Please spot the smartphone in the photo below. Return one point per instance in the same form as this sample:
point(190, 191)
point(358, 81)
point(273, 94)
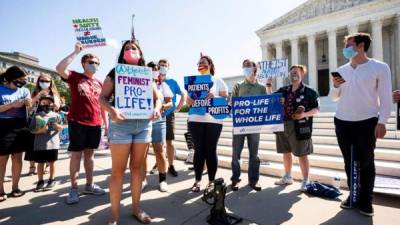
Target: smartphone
point(336, 74)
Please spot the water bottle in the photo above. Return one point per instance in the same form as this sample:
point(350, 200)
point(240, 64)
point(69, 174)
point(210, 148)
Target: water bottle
point(336, 181)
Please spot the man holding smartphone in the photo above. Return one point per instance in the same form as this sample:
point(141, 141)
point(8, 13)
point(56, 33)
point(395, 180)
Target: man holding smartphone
point(363, 92)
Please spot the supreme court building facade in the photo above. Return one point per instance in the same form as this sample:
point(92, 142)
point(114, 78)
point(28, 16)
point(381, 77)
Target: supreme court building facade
point(312, 34)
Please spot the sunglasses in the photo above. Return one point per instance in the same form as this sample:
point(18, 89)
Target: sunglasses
point(44, 81)
point(93, 62)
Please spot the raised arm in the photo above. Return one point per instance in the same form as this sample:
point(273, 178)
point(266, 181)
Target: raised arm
point(62, 67)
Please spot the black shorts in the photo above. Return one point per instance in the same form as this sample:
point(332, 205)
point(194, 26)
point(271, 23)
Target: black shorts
point(170, 127)
point(83, 137)
point(14, 136)
point(44, 156)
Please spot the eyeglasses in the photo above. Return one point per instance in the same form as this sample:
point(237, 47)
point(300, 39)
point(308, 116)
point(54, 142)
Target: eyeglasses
point(93, 62)
point(44, 81)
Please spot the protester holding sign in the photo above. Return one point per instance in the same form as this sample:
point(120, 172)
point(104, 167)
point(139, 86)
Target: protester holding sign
point(158, 134)
point(248, 87)
point(164, 65)
point(84, 119)
point(301, 103)
point(14, 101)
point(45, 85)
point(129, 138)
point(205, 129)
point(363, 92)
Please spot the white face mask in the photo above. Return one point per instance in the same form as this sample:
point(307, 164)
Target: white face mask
point(44, 85)
point(92, 68)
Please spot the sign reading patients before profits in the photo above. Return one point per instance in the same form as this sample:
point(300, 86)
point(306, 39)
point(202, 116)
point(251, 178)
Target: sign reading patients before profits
point(134, 91)
point(88, 32)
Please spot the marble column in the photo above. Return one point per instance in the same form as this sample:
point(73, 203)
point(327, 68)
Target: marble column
point(294, 45)
point(312, 62)
point(352, 28)
point(332, 48)
point(279, 55)
point(377, 44)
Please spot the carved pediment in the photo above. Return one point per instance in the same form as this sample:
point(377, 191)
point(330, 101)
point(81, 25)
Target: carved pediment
point(314, 8)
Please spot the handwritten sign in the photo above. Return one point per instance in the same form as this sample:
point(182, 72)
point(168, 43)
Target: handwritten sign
point(272, 68)
point(134, 91)
point(88, 32)
point(254, 114)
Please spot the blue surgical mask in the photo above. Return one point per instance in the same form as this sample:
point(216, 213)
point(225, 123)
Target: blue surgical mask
point(163, 70)
point(247, 71)
point(349, 52)
point(92, 68)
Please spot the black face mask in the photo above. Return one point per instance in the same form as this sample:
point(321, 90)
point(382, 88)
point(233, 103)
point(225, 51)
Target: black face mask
point(18, 83)
point(45, 108)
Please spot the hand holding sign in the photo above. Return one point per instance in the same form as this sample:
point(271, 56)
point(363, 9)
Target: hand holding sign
point(78, 47)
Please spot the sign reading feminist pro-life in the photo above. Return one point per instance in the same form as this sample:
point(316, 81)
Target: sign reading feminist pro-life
point(88, 32)
point(134, 91)
point(272, 68)
point(255, 114)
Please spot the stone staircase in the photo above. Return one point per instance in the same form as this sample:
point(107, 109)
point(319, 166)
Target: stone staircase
point(326, 162)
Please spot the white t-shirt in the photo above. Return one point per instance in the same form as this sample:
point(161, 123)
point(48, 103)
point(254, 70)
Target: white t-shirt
point(219, 85)
point(164, 91)
point(366, 93)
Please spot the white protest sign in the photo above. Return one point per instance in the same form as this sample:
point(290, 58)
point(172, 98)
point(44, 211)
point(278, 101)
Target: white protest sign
point(134, 91)
point(272, 68)
point(88, 32)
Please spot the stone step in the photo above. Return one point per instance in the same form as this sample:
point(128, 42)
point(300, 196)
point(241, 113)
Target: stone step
point(387, 168)
point(275, 169)
point(327, 140)
point(390, 134)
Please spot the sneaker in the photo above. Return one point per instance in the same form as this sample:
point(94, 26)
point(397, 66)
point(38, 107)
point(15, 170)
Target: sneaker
point(93, 189)
point(285, 180)
point(366, 210)
point(255, 187)
point(39, 186)
point(50, 184)
point(346, 204)
point(73, 196)
point(154, 169)
point(304, 184)
point(172, 171)
point(163, 186)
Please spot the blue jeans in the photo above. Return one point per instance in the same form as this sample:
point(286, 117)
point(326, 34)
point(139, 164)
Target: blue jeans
point(254, 162)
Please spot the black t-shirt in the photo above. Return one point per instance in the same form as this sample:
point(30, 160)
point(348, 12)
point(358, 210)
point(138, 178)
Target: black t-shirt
point(304, 96)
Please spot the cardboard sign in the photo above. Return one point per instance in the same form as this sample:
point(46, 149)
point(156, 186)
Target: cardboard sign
point(253, 114)
point(273, 68)
point(88, 32)
point(134, 91)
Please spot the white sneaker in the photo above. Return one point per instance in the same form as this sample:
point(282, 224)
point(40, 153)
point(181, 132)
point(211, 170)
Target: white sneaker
point(304, 184)
point(93, 189)
point(285, 180)
point(163, 186)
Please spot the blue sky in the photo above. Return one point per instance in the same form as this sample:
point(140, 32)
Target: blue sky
point(175, 29)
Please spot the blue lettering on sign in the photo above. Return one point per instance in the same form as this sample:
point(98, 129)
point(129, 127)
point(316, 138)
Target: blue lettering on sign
point(218, 107)
point(257, 110)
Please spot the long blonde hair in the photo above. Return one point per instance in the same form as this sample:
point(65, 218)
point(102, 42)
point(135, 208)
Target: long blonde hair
point(52, 88)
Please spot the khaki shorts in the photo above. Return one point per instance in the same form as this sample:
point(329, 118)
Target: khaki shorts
point(286, 141)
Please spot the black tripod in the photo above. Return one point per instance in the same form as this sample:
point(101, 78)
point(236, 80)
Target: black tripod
point(218, 214)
